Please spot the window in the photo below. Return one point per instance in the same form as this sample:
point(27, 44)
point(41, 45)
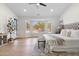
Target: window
point(38, 26)
point(34, 26)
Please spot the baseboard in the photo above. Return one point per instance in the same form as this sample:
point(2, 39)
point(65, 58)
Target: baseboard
point(20, 37)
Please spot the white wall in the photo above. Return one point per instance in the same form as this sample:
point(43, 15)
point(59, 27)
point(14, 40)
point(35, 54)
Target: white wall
point(71, 15)
point(21, 27)
point(5, 13)
point(22, 24)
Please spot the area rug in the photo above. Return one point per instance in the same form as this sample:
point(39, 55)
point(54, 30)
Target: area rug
point(38, 51)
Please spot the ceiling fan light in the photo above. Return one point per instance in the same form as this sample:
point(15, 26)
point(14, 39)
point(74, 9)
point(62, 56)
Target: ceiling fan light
point(51, 10)
point(37, 4)
point(25, 10)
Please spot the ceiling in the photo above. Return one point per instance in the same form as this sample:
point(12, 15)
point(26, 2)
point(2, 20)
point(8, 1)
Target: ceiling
point(33, 10)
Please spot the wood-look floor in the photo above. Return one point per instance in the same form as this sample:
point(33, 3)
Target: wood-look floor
point(26, 47)
point(20, 47)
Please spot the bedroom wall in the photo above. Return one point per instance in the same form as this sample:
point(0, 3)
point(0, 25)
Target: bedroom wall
point(21, 28)
point(71, 15)
point(5, 13)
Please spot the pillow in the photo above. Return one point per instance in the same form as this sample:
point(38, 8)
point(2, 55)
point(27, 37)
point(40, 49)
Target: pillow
point(68, 34)
point(75, 33)
point(63, 32)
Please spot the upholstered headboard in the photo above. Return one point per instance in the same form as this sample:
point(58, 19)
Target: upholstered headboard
point(72, 26)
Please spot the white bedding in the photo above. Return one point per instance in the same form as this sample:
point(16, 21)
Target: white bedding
point(52, 40)
point(70, 42)
point(49, 36)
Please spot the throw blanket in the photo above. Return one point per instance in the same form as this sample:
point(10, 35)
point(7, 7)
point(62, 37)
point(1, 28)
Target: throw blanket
point(51, 42)
point(56, 42)
point(60, 41)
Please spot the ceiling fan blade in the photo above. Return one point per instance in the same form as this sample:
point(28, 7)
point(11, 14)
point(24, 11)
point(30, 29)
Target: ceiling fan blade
point(42, 4)
point(32, 3)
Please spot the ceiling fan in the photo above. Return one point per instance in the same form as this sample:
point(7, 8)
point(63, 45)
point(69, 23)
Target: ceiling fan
point(42, 4)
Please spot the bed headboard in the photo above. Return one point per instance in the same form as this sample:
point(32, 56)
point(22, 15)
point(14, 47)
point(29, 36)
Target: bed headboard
point(72, 26)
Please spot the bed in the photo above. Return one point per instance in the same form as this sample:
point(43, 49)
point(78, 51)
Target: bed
point(62, 42)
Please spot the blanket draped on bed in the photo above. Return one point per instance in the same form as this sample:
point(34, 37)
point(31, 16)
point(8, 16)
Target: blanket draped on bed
point(56, 42)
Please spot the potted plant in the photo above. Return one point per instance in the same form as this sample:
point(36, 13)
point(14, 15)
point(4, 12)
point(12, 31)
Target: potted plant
point(10, 28)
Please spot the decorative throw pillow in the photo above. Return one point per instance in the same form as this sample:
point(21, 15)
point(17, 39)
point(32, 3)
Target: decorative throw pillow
point(75, 33)
point(63, 32)
point(68, 33)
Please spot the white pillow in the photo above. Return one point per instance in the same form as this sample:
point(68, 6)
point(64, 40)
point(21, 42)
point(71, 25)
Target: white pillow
point(63, 32)
point(75, 33)
point(66, 32)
